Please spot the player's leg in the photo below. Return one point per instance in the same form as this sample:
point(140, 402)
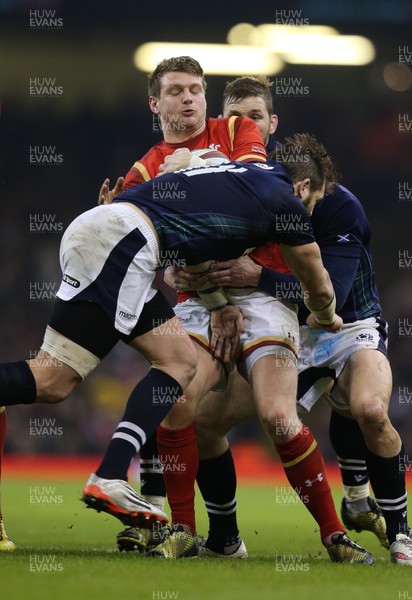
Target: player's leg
point(152, 485)
point(42, 379)
point(216, 414)
point(153, 490)
point(274, 382)
point(5, 542)
point(179, 456)
point(176, 433)
point(359, 510)
point(173, 363)
point(367, 382)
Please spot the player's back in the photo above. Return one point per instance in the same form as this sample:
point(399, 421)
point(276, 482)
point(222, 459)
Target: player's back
point(342, 230)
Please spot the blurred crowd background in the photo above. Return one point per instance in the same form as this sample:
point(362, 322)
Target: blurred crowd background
point(101, 123)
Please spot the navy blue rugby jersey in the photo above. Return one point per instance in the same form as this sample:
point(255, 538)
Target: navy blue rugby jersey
point(343, 233)
point(216, 213)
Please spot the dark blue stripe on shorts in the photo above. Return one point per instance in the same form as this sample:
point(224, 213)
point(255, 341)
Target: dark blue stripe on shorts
point(104, 290)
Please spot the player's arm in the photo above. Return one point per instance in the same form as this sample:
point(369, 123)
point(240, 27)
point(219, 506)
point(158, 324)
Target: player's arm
point(244, 272)
point(339, 228)
point(247, 144)
point(226, 322)
point(213, 297)
point(139, 173)
point(342, 271)
point(319, 296)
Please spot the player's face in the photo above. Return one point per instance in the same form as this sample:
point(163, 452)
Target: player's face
point(255, 108)
point(181, 106)
point(309, 198)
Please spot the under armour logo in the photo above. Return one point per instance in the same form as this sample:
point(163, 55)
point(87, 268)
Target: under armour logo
point(291, 337)
point(310, 482)
point(343, 238)
point(214, 146)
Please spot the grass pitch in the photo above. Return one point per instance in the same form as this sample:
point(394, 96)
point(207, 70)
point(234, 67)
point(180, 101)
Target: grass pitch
point(66, 551)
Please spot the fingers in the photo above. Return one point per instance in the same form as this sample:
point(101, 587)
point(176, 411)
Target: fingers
point(228, 350)
point(219, 277)
point(239, 323)
point(219, 266)
point(104, 190)
point(222, 348)
point(233, 349)
point(118, 188)
point(216, 344)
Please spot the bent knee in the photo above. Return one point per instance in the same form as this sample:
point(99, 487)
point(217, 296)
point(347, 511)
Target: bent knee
point(281, 424)
point(182, 366)
point(54, 384)
point(370, 412)
point(53, 394)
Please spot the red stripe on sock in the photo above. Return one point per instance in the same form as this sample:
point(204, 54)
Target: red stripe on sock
point(179, 456)
point(308, 477)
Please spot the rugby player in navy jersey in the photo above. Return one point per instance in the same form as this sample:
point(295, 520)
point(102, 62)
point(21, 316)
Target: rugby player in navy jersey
point(109, 256)
point(344, 234)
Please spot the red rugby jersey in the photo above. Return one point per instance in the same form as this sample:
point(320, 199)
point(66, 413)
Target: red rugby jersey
point(270, 256)
point(237, 137)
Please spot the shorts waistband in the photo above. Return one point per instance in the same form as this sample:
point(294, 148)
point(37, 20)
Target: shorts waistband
point(134, 217)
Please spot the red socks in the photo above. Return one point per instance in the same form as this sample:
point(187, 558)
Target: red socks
point(301, 458)
point(179, 456)
point(305, 470)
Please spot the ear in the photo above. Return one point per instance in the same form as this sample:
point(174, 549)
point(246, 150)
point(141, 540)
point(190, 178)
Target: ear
point(153, 104)
point(303, 188)
point(273, 124)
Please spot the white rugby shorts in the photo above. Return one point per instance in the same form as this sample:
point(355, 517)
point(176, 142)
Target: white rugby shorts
point(271, 327)
point(108, 255)
point(323, 356)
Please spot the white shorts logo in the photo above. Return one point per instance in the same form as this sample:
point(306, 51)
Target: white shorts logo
point(364, 337)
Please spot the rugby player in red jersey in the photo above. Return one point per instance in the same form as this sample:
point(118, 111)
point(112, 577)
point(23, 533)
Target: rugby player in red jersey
point(177, 96)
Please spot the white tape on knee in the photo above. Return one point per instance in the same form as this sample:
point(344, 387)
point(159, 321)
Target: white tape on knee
point(69, 353)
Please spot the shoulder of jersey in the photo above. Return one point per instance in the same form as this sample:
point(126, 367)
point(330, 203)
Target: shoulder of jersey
point(157, 149)
point(342, 196)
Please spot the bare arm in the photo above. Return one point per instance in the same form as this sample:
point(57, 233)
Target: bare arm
point(319, 296)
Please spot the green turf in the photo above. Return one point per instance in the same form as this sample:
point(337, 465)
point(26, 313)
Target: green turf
point(66, 551)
